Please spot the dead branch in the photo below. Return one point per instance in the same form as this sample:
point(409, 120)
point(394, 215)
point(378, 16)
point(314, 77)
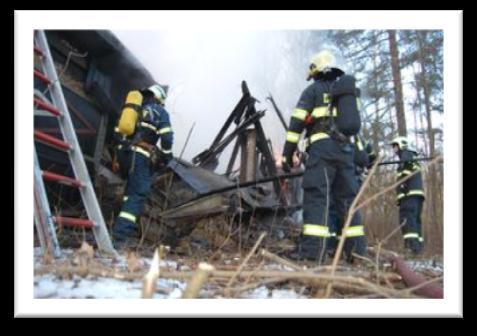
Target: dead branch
point(247, 280)
point(394, 185)
point(343, 280)
point(258, 284)
point(380, 246)
point(149, 284)
point(252, 251)
point(351, 212)
point(422, 285)
point(198, 279)
point(354, 208)
point(279, 260)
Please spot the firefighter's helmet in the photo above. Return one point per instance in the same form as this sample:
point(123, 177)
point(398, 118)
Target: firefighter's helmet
point(323, 62)
point(159, 92)
point(403, 143)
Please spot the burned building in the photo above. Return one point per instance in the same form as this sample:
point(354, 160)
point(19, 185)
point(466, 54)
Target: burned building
point(96, 71)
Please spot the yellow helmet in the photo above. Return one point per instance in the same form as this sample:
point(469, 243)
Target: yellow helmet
point(323, 61)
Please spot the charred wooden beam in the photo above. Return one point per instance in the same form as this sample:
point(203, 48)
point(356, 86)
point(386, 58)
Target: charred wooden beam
point(213, 204)
point(212, 153)
point(236, 115)
point(279, 113)
point(248, 160)
point(233, 157)
point(262, 145)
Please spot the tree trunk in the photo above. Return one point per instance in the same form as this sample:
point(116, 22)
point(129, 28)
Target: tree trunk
point(421, 37)
point(424, 83)
point(421, 120)
point(396, 71)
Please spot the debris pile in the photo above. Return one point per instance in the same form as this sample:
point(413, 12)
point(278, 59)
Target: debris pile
point(259, 274)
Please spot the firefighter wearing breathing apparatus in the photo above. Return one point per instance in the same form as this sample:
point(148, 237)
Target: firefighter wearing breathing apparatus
point(328, 111)
point(143, 122)
point(410, 195)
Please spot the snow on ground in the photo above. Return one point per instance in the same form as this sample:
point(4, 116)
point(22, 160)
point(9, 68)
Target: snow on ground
point(50, 286)
point(57, 287)
point(264, 293)
point(94, 287)
point(427, 264)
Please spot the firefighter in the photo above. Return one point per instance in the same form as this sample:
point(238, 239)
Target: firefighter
point(329, 170)
point(364, 158)
point(410, 195)
point(140, 155)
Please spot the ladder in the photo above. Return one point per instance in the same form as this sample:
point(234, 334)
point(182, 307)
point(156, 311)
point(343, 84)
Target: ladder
point(44, 220)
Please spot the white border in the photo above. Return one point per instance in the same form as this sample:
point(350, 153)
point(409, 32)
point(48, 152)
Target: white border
point(449, 21)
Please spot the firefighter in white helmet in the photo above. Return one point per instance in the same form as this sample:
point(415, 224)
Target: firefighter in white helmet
point(410, 194)
point(139, 157)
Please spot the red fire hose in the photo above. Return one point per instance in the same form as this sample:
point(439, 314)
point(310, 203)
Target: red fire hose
point(412, 279)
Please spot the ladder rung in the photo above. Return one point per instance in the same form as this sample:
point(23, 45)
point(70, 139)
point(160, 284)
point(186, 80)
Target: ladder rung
point(41, 76)
point(49, 176)
point(69, 221)
point(52, 141)
point(38, 51)
point(47, 107)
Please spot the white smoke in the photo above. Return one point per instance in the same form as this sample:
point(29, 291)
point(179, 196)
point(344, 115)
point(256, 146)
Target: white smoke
point(204, 71)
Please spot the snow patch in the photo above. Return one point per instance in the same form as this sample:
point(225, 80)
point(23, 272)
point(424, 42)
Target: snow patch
point(257, 293)
point(49, 286)
point(285, 294)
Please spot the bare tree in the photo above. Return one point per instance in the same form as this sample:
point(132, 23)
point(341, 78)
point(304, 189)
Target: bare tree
point(396, 70)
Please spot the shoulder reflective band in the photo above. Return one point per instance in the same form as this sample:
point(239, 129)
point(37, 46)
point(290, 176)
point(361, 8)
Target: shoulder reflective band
point(166, 151)
point(355, 231)
point(152, 127)
point(293, 137)
point(415, 192)
point(315, 230)
point(404, 173)
point(411, 235)
point(421, 239)
point(164, 130)
point(359, 143)
point(128, 216)
point(299, 114)
point(140, 150)
point(318, 136)
point(322, 111)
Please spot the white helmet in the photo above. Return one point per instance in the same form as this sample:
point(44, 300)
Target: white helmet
point(403, 143)
point(323, 62)
point(158, 92)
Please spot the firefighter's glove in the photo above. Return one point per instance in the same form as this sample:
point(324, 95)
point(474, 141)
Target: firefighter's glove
point(162, 159)
point(121, 140)
point(286, 164)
